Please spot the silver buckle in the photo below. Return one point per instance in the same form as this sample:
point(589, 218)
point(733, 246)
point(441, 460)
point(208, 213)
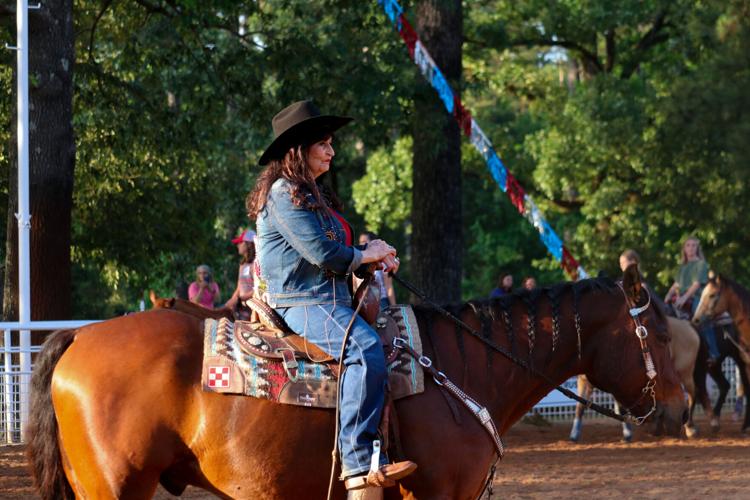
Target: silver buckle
point(641, 332)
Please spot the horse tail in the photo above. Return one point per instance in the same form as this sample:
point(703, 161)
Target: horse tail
point(43, 449)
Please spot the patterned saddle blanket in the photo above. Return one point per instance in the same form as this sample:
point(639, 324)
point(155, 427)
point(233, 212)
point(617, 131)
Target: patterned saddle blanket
point(250, 359)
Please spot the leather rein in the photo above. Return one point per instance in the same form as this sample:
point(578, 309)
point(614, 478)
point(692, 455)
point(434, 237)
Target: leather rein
point(640, 331)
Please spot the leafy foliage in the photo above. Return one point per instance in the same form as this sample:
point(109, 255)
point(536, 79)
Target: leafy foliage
point(382, 195)
point(625, 121)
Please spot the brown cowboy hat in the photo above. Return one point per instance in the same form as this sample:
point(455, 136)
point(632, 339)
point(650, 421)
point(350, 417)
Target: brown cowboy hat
point(296, 123)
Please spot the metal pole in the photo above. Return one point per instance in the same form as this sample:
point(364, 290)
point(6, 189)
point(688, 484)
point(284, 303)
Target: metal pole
point(8, 397)
point(23, 215)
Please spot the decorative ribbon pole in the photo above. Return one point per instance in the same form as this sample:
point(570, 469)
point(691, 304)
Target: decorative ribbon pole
point(507, 182)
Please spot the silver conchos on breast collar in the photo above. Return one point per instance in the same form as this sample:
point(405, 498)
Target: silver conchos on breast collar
point(642, 333)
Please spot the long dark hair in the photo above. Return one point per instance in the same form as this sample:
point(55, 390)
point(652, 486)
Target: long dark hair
point(249, 256)
point(305, 191)
point(292, 167)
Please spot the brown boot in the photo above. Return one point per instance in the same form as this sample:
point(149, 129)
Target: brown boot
point(385, 477)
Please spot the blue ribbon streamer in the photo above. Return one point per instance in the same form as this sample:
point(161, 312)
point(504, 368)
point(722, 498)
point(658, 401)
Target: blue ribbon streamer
point(478, 138)
point(440, 84)
point(498, 171)
point(392, 9)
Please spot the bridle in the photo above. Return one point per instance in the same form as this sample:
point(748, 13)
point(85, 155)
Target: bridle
point(640, 331)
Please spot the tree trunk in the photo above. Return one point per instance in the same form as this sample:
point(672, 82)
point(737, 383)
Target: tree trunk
point(436, 201)
point(51, 163)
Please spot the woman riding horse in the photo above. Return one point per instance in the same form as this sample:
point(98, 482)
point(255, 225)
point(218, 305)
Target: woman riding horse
point(305, 253)
point(686, 291)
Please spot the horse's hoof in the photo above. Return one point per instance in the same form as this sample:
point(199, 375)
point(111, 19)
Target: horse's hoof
point(627, 433)
point(691, 431)
point(715, 425)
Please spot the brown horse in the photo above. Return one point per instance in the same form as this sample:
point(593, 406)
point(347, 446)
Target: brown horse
point(188, 307)
point(723, 295)
point(117, 407)
point(683, 350)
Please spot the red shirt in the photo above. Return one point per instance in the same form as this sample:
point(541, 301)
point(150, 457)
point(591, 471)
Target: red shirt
point(346, 226)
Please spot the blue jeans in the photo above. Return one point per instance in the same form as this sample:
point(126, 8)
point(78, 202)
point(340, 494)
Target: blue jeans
point(706, 331)
point(363, 385)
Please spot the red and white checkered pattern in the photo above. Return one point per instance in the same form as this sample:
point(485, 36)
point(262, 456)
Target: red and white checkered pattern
point(218, 376)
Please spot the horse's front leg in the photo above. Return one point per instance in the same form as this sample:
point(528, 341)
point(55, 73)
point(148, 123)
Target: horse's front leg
point(721, 381)
point(585, 389)
point(744, 378)
point(690, 430)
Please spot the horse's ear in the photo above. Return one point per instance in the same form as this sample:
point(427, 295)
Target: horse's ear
point(631, 283)
point(170, 302)
point(714, 278)
point(152, 296)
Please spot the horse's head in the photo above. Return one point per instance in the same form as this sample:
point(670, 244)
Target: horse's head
point(632, 360)
point(160, 302)
point(712, 302)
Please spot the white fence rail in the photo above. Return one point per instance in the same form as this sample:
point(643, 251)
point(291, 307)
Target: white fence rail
point(556, 406)
point(15, 373)
point(15, 380)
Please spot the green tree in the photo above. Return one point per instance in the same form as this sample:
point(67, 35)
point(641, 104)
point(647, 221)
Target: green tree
point(173, 108)
point(626, 154)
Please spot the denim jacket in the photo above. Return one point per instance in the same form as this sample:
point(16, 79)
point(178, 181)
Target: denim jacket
point(302, 253)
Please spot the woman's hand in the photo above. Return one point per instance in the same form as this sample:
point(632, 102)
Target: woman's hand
point(381, 252)
point(377, 251)
point(390, 264)
point(681, 300)
point(672, 294)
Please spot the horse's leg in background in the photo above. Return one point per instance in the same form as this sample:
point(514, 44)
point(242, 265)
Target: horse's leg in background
point(745, 379)
point(627, 428)
point(689, 383)
point(739, 404)
point(721, 381)
point(585, 389)
point(699, 378)
point(685, 347)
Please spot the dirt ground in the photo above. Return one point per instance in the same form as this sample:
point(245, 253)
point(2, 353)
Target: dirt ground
point(542, 463)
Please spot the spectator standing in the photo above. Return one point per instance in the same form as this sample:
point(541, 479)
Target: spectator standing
point(245, 277)
point(204, 290)
point(529, 283)
point(504, 285)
